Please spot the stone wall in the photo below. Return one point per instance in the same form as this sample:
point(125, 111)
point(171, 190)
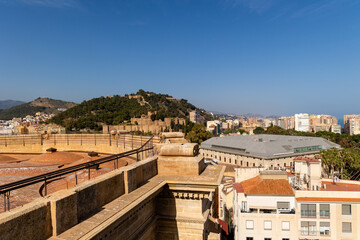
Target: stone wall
point(102, 143)
point(64, 209)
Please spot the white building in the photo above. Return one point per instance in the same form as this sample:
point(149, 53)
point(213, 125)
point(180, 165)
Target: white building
point(302, 122)
point(274, 205)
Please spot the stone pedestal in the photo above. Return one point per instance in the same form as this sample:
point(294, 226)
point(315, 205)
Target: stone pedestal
point(180, 166)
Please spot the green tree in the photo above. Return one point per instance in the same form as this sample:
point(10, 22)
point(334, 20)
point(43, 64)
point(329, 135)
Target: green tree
point(198, 134)
point(259, 130)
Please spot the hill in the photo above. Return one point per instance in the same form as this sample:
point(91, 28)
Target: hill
point(119, 109)
point(46, 105)
point(4, 104)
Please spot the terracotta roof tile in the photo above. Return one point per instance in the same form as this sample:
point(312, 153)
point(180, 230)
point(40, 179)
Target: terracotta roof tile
point(339, 186)
point(318, 199)
point(238, 187)
point(257, 186)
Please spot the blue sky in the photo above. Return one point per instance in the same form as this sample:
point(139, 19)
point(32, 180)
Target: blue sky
point(265, 56)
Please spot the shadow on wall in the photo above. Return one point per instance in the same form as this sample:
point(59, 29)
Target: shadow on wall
point(167, 228)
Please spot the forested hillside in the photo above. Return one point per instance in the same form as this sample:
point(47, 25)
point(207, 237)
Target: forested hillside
point(118, 109)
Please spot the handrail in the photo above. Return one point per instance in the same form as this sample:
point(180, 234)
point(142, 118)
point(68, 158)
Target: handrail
point(6, 188)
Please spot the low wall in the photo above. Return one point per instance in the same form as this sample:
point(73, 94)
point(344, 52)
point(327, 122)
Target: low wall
point(103, 143)
point(64, 209)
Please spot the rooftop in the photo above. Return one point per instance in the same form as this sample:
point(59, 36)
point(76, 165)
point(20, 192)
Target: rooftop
point(257, 186)
point(268, 146)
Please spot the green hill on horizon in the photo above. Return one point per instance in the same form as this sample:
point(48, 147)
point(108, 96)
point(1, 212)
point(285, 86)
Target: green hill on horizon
point(92, 114)
point(46, 105)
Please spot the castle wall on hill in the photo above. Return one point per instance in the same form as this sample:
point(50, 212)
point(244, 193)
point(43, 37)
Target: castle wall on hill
point(145, 124)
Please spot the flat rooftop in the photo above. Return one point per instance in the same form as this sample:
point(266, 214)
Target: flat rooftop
point(268, 146)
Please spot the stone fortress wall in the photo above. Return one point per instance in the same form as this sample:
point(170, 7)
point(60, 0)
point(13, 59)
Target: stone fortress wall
point(102, 143)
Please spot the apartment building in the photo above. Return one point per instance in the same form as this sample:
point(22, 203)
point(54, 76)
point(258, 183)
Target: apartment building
point(275, 205)
point(302, 122)
point(352, 124)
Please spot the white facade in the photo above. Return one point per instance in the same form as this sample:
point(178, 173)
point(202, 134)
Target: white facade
point(302, 122)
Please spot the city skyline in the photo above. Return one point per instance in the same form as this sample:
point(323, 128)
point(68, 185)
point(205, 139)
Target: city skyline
point(266, 57)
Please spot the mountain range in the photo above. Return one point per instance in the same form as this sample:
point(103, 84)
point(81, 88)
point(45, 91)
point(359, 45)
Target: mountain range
point(4, 104)
point(46, 105)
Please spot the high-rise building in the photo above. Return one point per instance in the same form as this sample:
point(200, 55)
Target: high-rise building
point(352, 124)
point(302, 122)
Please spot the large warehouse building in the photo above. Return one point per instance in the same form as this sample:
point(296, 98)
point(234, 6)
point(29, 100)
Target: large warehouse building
point(263, 149)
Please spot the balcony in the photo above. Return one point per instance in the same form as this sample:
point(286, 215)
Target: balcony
point(309, 232)
point(308, 213)
point(269, 211)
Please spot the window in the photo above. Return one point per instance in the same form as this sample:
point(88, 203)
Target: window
point(308, 228)
point(286, 239)
point(325, 210)
point(346, 209)
point(267, 238)
point(267, 225)
point(249, 224)
point(324, 228)
point(285, 226)
point(308, 210)
point(283, 205)
point(247, 164)
point(253, 164)
point(307, 149)
point(249, 238)
point(285, 164)
point(346, 227)
point(244, 206)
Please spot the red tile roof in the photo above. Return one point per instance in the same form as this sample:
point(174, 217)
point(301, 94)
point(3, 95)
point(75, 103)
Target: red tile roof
point(319, 199)
point(238, 187)
point(257, 186)
point(339, 186)
point(306, 159)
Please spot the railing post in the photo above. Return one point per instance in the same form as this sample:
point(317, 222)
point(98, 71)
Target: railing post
point(95, 138)
point(132, 141)
point(45, 187)
point(89, 173)
point(67, 138)
point(124, 142)
point(8, 200)
point(23, 140)
point(110, 139)
point(76, 181)
point(5, 144)
point(137, 155)
point(55, 139)
point(4, 202)
point(117, 140)
point(80, 139)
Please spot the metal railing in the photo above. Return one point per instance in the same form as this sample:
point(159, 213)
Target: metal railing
point(5, 189)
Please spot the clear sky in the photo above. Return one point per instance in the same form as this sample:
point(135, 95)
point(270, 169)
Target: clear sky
point(239, 56)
